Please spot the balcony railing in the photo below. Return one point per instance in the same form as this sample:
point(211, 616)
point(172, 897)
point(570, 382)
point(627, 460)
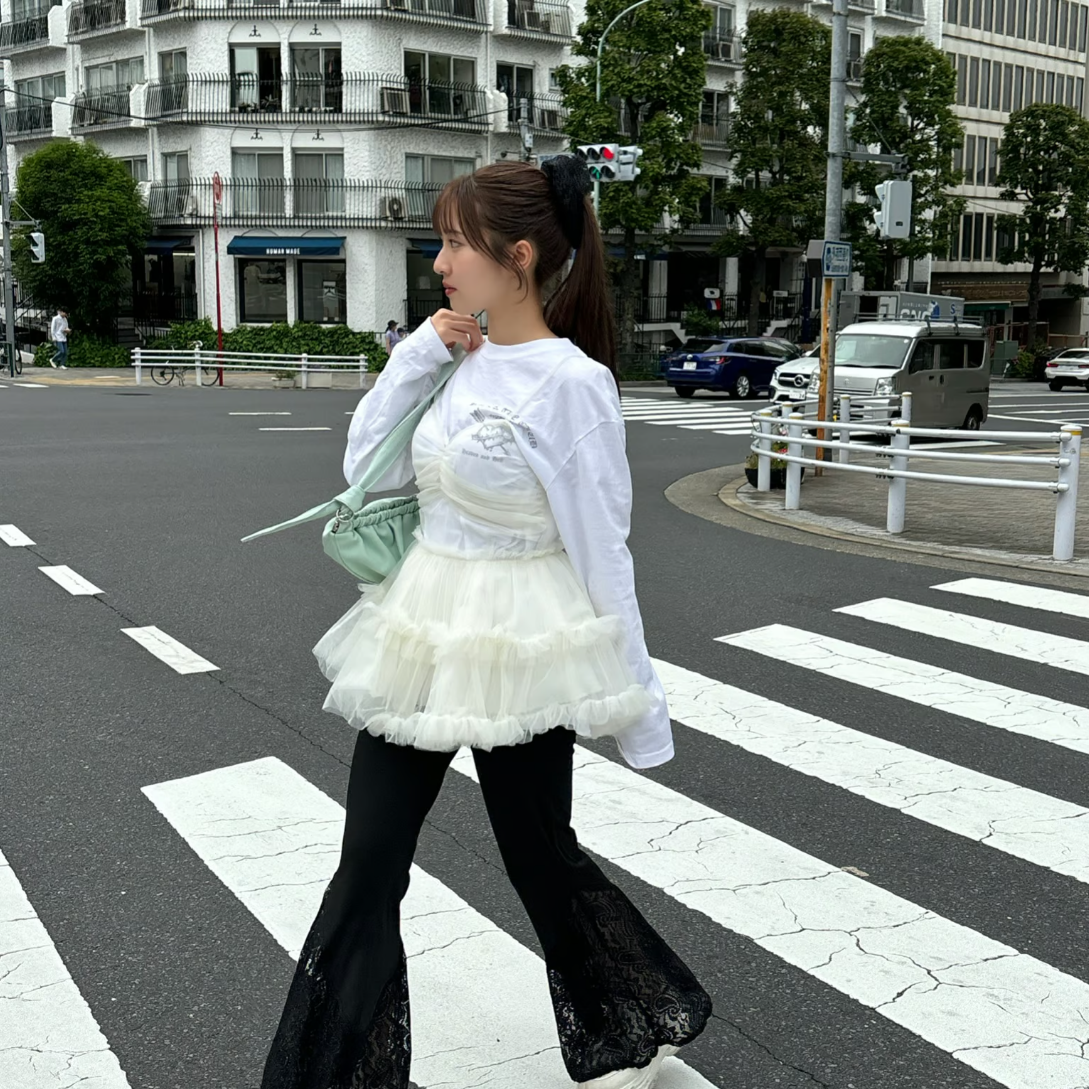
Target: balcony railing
point(539, 18)
point(28, 29)
point(911, 9)
point(373, 99)
point(712, 133)
point(546, 113)
point(88, 17)
point(435, 12)
point(722, 47)
point(868, 6)
point(34, 122)
point(282, 202)
point(104, 108)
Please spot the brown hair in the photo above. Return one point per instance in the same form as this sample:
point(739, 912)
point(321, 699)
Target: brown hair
point(501, 204)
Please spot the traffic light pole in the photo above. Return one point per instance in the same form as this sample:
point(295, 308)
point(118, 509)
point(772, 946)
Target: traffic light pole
point(5, 204)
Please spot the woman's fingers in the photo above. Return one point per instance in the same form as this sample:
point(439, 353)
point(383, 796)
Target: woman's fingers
point(454, 328)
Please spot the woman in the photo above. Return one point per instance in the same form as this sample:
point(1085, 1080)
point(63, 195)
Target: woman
point(392, 336)
point(510, 627)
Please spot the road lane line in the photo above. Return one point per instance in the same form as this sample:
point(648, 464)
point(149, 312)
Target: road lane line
point(167, 649)
point(1025, 823)
point(294, 429)
point(49, 1037)
point(14, 536)
point(1045, 648)
point(274, 840)
point(966, 993)
point(69, 580)
point(29, 385)
point(996, 705)
point(258, 413)
point(1020, 593)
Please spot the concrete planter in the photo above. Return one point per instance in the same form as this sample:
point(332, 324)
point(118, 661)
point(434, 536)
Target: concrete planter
point(315, 380)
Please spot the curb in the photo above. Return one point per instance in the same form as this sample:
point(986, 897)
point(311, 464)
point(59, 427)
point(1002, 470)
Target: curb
point(729, 495)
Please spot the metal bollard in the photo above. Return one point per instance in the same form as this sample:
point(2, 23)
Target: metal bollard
point(303, 383)
point(196, 363)
point(794, 470)
point(897, 484)
point(844, 427)
point(763, 459)
point(1066, 504)
point(905, 407)
point(138, 363)
point(362, 369)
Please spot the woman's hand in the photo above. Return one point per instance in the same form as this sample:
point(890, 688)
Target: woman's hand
point(455, 328)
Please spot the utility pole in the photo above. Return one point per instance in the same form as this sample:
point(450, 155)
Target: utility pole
point(833, 209)
point(5, 202)
point(523, 128)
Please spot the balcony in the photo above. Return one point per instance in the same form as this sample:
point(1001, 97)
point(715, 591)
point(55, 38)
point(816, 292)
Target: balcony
point(539, 19)
point(355, 99)
point(297, 203)
point(28, 29)
point(546, 112)
point(712, 133)
point(105, 108)
point(722, 47)
point(34, 122)
point(472, 14)
point(905, 9)
point(87, 18)
point(866, 6)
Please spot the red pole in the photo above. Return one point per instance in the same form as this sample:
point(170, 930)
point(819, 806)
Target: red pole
point(219, 303)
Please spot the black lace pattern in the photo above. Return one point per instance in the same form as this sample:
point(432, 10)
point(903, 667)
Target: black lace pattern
point(627, 994)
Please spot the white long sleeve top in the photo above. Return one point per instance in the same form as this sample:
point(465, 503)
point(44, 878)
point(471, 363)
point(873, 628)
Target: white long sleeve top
point(566, 414)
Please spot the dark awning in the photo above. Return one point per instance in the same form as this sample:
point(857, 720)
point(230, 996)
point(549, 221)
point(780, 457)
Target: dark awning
point(167, 245)
point(258, 246)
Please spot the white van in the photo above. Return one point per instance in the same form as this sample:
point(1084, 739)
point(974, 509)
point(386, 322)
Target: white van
point(943, 364)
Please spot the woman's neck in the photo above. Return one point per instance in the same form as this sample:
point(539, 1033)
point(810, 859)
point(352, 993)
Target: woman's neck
point(517, 325)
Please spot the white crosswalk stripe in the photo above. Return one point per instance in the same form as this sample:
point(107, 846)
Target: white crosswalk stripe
point(716, 417)
point(272, 840)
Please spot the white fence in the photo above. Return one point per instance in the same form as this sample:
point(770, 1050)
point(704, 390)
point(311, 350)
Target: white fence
point(201, 359)
point(768, 429)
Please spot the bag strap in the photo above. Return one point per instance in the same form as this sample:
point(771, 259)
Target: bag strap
point(392, 446)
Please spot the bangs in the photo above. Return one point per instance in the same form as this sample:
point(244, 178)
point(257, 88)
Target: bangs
point(457, 210)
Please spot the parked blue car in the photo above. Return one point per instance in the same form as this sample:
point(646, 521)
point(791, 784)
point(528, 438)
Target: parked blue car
point(741, 366)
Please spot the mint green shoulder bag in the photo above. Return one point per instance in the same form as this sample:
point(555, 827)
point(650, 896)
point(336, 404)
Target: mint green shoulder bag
point(368, 540)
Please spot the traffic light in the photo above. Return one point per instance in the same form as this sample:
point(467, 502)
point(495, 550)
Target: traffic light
point(893, 218)
point(37, 247)
point(628, 163)
point(601, 159)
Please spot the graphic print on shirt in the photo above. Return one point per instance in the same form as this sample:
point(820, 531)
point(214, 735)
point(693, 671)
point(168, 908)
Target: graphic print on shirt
point(485, 413)
point(493, 436)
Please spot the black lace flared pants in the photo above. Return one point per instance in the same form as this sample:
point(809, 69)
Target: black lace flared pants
point(617, 989)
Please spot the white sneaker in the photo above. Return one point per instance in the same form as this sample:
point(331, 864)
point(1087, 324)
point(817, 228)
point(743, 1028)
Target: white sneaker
point(63, 367)
point(632, 1078)
point(52, 364)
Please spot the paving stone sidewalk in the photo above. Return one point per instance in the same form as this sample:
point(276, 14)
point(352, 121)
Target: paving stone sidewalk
point(1004, 525)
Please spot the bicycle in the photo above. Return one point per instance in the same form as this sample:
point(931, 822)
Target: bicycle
point(165, 373)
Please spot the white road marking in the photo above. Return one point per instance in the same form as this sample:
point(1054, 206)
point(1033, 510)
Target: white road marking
point(1024, 823)
point(1019, 419)
point(74, 583)
point(1043, 647)
point(30, 385)
point(14, 536)
point(167, 649)
point(1020, 593)
point(258, 413)
point(1002, 1012)
point(294, 429)
point(1004, 708)
point(49, 1038)
point(274, 841)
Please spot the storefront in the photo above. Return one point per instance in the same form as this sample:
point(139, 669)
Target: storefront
point(269, 271)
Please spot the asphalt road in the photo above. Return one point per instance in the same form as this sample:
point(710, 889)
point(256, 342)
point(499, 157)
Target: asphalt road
point(146, 494)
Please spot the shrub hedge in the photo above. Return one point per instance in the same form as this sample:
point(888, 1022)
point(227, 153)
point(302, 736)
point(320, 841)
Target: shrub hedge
point(84, 351)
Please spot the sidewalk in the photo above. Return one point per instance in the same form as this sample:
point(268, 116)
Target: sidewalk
point(1004, 526)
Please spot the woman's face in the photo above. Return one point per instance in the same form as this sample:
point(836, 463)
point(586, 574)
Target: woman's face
point(473, 281)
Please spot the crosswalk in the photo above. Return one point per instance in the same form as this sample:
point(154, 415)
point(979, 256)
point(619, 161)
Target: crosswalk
point(270, 839)
point(715, 416)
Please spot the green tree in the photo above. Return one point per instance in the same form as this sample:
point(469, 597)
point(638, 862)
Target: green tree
point(908, 92)
point(1044, 153)
point(652, 79)
point(777, 143)
point(94, 221)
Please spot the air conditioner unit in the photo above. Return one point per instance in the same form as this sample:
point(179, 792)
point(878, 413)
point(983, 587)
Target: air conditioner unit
point(531, 20)
point(190, 205)
point(393, 208)
point(724, 51)
point(395, 100)
point(854, 69)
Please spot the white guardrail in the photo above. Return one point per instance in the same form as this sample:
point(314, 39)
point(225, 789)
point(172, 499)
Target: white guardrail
point(900, 451)
point(201, 359)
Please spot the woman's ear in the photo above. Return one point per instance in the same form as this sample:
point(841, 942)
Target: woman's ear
point(524, 254)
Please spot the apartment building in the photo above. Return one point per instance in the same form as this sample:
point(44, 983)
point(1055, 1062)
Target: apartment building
point(1008, 54)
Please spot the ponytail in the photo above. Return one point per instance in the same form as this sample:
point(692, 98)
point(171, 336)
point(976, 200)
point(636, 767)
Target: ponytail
point(582, 307)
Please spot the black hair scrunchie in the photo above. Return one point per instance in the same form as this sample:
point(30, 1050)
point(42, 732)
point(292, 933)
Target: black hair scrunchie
point(569, 182)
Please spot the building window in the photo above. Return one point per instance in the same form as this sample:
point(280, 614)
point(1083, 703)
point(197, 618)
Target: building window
point(117, 75)
point(554, 80)
point(323, 291)
point(1000, 16)
point(969, 160)
point(1064, 22)
point(1040, 85)
point(954, 243)
point(966, 238)
point(1018, 87)
point(988, 14)
point(951, 11)
point(1007, 87)
point(317, 83)
point(981, 161)
point(319, 183)
point(973, 81)
point(977, 8)
point(257, 183)
point(958, 163)
point(1083, 21)
point(988, 239)
point(172, 90)
point(977, 238)
point(137, 168)
point(34, 103)
point(256, 82)
point(714, 123)
point(516, 82)
point(440, 84)
point(262, 290)
point(1030, 84)
point(1022, 16)
point(985, 85)
point(436, 170)
point(992, 164)
point(1053, 25)
point(1050, 93)
point(962, 80)
point(1079, 93)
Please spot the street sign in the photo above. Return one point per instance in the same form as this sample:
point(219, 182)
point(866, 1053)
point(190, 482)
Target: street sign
point(836, 262)
point(217, 188)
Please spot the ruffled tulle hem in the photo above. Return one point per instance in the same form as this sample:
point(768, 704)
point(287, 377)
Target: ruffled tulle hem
point(448, 732)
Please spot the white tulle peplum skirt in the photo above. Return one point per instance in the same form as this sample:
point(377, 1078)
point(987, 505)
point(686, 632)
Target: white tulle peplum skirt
point(452, 651)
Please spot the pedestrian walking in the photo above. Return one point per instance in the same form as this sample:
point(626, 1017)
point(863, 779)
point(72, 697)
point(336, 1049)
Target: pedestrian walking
point(510, 627)
point(392, 336)
point(58, 333)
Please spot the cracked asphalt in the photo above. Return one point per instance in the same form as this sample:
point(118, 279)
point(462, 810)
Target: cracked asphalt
point(147, 494)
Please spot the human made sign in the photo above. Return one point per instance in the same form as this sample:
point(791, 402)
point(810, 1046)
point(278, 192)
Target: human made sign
point(836, 260)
